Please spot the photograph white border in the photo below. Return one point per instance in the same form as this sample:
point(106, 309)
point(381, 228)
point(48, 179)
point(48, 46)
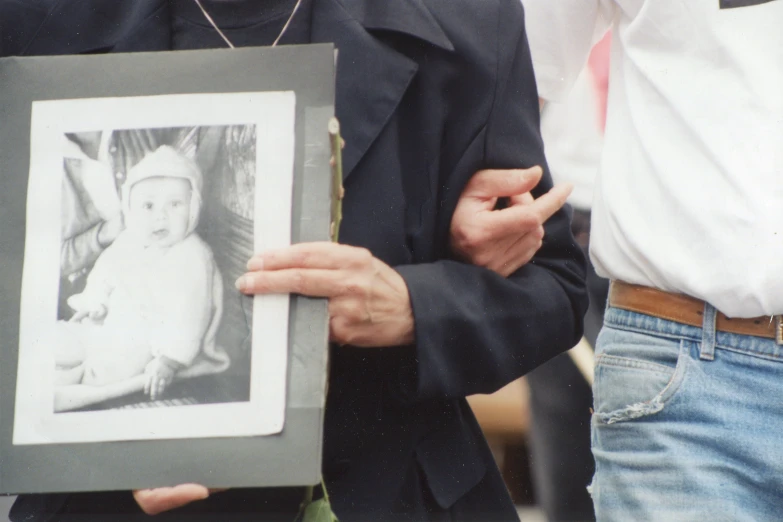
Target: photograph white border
point(273, 114)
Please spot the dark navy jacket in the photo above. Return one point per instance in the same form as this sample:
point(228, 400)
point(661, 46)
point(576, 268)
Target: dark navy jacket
point(428, 93)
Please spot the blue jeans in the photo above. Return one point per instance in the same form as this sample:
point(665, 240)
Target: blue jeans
point(688, 422)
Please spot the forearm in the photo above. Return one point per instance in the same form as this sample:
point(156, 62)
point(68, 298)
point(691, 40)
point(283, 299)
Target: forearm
point(80, 251)
point(67, 398)
point(177, 351)
point(171, 364)
point(476, 331)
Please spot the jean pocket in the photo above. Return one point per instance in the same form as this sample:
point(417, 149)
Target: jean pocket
point(636, 374)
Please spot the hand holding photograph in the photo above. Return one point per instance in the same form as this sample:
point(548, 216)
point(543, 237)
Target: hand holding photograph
point(140, 211)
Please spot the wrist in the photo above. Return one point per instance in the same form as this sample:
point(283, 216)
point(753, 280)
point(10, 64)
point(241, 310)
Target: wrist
point(104, 236)
point(109, 230)
point(405, 325)
point(170, 363)
point(405, 334)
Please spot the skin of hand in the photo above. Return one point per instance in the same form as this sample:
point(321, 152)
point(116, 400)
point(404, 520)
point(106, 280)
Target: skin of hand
point(159, 373)
point(95, 315)
point(87, 306)
point(110, 229)
point(369, 304)
point(158, 500)
point(503, 239)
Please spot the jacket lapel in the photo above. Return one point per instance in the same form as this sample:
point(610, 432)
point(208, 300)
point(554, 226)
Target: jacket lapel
point(371, 76)
point(410, 17)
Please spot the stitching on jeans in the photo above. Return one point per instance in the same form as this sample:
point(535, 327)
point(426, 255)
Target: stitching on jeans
point(680, 337)
point(750, 353)
point(627, 362)
point(653, 333)
point(743, 351)
point(654, 405)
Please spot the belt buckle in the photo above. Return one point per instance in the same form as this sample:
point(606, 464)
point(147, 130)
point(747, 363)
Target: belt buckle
point(779, 329)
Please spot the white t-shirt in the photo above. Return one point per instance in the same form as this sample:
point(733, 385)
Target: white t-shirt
point(689, 196)
point(573, 140)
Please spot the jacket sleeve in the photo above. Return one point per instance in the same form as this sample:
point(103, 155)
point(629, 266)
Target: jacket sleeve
point(476, 331)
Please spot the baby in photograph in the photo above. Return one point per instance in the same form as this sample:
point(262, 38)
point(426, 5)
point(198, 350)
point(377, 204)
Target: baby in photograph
point(153, 301)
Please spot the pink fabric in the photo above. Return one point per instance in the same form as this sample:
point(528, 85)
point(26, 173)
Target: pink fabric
point(598, 63)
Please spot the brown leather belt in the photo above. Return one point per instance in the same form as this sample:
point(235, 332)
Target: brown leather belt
point(688, 310)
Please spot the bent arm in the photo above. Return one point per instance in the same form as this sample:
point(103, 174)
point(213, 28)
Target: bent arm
point(80, 250)
point(475, 331)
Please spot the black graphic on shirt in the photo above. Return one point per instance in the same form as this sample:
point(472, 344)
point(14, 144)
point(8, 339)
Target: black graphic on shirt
point(730, 4)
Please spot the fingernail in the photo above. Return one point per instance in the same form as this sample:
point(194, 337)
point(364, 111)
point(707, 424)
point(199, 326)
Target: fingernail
point(255, 263)
point(241, 283)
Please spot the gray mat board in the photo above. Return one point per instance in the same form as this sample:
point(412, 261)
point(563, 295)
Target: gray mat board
point(291, 458)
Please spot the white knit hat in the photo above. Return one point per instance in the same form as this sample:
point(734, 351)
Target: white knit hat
point(166, 162)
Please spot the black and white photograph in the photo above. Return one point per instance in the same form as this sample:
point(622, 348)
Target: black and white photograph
point(141, 214)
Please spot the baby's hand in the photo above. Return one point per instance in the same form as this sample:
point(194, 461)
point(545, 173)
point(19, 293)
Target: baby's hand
point(86, 308)
point(158, 375)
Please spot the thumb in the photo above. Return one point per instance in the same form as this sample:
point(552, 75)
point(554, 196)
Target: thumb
point(502, 183)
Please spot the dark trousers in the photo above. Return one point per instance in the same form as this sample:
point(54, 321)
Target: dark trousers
point(238, 505)
point(560, 402)
point(486, 502)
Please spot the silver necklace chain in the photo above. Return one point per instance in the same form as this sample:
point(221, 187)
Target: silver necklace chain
point(225, 38)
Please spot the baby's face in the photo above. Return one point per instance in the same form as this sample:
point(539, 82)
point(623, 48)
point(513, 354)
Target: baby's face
point(160, 210)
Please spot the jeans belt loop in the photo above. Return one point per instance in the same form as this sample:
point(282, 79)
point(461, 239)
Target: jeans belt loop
point(707, 351)
point(691, 311)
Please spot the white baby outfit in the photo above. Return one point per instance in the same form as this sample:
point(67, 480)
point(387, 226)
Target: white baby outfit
point(159, 301)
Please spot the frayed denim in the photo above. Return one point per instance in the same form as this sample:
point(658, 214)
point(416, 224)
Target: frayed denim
point(687, 423)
